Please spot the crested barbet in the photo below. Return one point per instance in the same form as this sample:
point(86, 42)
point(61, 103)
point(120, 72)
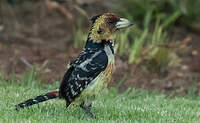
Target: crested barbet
point(91, 71)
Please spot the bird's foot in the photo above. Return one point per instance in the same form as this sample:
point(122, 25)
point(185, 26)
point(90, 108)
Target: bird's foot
point(88, 110)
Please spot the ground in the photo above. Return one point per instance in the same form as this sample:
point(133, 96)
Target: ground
point(51, 63)
point(44, 40)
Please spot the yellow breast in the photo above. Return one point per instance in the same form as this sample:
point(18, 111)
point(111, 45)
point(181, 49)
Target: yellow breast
point(99, 84)
point(108, 72)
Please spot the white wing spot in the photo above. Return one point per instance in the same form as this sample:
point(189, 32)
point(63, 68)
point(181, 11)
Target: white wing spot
point(35, 100)
point(45, 97)
point(81, 89)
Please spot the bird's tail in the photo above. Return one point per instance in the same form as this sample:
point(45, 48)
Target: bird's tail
point(41, 98)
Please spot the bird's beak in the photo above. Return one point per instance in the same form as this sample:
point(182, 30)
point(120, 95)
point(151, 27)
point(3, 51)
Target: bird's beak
point(123, 23)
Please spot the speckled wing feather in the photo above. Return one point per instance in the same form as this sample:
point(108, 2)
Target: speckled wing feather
point(89, 64)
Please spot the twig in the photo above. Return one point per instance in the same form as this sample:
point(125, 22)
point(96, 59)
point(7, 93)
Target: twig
point(26, 62)
point(82, 11)
point(44, 64)
point(55, 5)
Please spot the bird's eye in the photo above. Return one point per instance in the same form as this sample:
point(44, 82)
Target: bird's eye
point(100, 31)
point(110, 22)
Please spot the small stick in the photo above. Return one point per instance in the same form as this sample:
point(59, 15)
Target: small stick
point(26, 62)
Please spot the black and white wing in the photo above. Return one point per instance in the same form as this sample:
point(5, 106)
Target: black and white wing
point(86, 68)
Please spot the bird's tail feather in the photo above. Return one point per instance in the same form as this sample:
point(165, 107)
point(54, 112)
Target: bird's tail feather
point(41, 98)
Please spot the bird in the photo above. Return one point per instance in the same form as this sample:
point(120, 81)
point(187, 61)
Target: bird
point(91, 71)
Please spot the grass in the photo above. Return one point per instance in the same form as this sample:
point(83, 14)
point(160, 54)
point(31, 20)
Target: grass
point(141, 44)
point(80, 35)
point(131, 106)
point(153, 20)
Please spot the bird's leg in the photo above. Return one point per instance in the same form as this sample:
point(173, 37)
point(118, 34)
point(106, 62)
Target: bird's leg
point(88, 109)
point(67, 103)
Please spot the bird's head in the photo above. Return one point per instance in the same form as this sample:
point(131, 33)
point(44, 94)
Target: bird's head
point(105, 25)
